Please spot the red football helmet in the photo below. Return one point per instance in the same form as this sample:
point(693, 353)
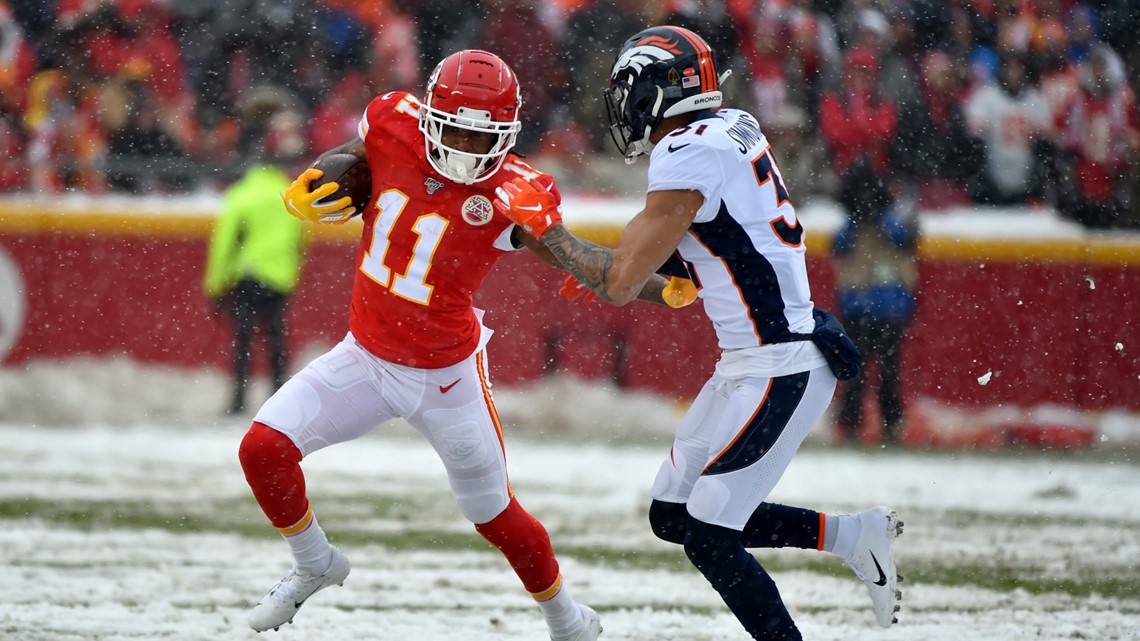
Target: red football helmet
point(477, 91)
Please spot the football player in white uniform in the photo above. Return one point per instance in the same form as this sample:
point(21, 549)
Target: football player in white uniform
point(717, 213)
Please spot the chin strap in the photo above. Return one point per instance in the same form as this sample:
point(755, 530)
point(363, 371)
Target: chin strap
point(724, 76)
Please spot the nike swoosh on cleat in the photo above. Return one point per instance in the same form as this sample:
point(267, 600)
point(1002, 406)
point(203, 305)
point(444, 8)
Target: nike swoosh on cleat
point(882, 577)
point(445, 389)
point(678, 147)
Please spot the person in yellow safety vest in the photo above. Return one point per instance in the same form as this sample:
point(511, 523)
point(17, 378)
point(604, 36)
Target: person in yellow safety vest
point(255, 253)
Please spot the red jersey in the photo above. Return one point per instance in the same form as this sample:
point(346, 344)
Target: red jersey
point(427, 245)
point(1101, 132)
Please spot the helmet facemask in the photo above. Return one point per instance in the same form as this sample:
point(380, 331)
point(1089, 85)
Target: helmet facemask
point(475, 91)
point(633, 115)
point(463, 166)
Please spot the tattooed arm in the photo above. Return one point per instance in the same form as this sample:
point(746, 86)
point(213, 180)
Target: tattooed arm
point(627, 271)
point(650, 292)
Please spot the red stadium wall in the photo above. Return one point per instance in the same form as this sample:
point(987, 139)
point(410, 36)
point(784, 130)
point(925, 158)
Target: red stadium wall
point(1045, 317)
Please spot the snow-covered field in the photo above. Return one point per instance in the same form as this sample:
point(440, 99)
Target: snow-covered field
point(138, 531)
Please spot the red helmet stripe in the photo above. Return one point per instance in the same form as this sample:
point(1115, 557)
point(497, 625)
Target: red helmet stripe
point(704, 59)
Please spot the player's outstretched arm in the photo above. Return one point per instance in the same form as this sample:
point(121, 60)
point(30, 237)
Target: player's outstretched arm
point(656, 290)
point(621, 274)
point(616, 275)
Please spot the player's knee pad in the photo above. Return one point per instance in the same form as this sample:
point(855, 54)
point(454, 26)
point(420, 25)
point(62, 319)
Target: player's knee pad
point(669, 484)
point(481, 507)
point(668, 521)
point(264, 448)
point(708, 499)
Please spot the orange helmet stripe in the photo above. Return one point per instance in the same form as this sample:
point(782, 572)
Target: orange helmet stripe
point(662, 42)
point(704, 59)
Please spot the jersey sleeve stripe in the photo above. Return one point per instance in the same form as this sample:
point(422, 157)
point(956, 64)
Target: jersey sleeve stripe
point(362, 128)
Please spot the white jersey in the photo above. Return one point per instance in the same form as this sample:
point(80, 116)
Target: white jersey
point(1008, 126)
point(745, 248)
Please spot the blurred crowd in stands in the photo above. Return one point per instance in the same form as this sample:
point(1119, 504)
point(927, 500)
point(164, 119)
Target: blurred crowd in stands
point(999, 102)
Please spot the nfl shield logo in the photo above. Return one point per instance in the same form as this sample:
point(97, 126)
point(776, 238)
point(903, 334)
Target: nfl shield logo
point(477, 210)
point(432, 185)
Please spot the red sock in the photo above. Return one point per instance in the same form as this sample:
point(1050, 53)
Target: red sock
point(525, 543)
point(272, 468)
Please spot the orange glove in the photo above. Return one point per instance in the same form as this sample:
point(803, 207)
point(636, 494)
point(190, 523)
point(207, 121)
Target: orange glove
point(529, 205)
point(679, 292)
point(573, 290)
point(311, 206)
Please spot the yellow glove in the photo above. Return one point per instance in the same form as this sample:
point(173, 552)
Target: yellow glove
point(311, 205)
point(679, 292)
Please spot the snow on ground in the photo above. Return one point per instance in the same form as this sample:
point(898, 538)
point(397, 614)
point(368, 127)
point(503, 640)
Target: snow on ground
point(132, 522)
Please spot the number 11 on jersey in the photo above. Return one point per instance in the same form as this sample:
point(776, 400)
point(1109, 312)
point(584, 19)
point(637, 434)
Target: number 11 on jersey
point(412, 285)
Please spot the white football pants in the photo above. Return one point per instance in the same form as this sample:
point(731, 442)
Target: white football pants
point(737, 440)
point(348, 392)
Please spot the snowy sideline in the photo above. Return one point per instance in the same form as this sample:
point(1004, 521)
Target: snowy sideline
point(111, 390)
point(90, 390)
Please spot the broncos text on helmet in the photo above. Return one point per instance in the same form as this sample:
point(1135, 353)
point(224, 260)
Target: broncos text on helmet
point(659, 72)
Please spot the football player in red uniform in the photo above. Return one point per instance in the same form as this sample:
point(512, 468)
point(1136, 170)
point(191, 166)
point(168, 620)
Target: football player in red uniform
point(416, 345)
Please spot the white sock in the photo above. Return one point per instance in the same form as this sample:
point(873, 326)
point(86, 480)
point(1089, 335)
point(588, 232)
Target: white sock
point(311, 550)
point(560, 610)
point(847, 531)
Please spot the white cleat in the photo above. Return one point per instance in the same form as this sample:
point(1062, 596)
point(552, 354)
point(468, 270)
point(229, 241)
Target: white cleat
point(873, 561)
point(280, 605)
point(591, 626)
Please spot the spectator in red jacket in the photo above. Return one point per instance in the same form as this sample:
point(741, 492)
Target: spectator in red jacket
point(767, 55)
point(1100, 136)
point(17, 63)
point(857, 120)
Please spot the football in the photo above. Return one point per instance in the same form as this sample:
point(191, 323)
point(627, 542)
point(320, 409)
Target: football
point(351, 175)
